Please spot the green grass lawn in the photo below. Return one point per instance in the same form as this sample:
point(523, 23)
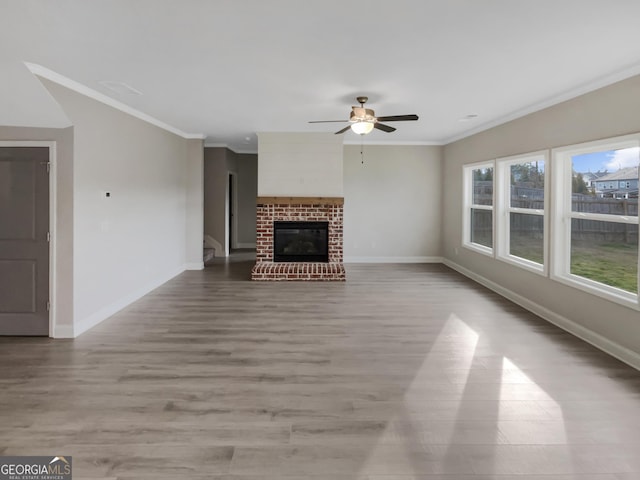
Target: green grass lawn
point(615, 265)
point(529, 248)
point(612, 264)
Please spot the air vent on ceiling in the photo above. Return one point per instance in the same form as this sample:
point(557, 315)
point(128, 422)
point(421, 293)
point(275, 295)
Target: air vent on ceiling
point(468, 118)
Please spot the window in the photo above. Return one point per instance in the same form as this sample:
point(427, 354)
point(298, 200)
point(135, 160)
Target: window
point(520, 215)
point(478, 218)
point(596, 233)
point(551, 215)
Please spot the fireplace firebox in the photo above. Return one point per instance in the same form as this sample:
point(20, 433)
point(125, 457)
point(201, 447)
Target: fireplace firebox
point(301, 242)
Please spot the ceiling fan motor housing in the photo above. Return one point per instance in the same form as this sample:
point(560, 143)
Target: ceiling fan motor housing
point(360, 114)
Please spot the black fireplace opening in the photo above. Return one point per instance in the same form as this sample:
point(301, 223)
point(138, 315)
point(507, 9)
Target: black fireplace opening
point(301, 242)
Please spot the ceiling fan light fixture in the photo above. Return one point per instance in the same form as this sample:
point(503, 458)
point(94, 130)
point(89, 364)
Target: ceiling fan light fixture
point(363, 120)
point(362, 127)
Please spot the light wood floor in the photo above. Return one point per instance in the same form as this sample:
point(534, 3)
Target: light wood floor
point(403, 372)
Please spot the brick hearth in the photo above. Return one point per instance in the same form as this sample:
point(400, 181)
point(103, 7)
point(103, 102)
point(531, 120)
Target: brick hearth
point(299, 209)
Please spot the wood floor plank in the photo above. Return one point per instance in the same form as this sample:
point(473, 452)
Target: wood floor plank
point(404, 372)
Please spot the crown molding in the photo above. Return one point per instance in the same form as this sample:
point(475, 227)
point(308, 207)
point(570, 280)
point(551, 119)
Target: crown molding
point(244, 152)
point(583, 89)
point(236, 151)
point(395, 143)
point(375, 143)
point(40, 71)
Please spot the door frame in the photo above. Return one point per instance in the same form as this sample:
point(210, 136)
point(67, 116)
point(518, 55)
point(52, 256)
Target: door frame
point(51, 144)
point(231, 205)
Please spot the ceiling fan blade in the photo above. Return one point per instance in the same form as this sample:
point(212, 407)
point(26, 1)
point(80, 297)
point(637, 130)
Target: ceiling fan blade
point(327, 121)
point(383, 127)
point(398, 118)
point(343, 130)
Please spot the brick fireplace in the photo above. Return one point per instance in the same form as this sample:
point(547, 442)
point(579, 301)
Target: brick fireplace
point(298, 209)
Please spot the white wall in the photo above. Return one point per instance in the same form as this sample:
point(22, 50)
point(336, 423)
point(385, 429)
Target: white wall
point(392, 203)
point(603, 113)
point(130, 243)
point(300, 165)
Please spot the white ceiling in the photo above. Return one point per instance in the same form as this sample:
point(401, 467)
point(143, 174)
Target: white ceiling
point(230, 68)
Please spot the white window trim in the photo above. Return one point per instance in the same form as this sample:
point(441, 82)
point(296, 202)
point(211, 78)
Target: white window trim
point(502, 184)
point(560, 260)
point(469, 205)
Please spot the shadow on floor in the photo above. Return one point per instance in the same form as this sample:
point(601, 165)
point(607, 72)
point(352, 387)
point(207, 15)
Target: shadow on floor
point(242, 259)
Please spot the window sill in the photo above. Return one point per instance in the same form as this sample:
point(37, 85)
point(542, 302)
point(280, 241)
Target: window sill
point(612, 294)
point(476, 247)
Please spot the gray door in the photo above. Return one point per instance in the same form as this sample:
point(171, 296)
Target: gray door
point(24, 246)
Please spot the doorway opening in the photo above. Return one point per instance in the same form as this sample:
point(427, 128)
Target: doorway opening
point(231, 226)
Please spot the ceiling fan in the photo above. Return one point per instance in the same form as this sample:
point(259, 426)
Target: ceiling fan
point(363, 120)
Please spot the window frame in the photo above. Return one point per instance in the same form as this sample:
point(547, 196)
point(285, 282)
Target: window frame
point(469, 206)
point(502, 187)
point(562, 215)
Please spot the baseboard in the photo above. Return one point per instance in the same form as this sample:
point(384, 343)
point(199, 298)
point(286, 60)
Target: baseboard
point(355, 259)
point(194, 266)
point(104, 313)
point(603, 343)
point(63, 331)
point(246, 245)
